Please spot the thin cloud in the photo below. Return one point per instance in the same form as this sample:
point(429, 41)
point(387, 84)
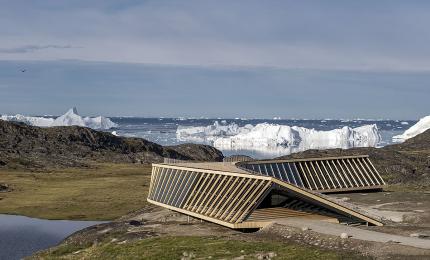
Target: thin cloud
point(34, 48)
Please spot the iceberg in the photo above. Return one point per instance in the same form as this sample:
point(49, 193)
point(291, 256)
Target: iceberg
point(267, 136)
point(209, 133)
point(420, 127)
point(99, 122)
point(29, 120)
point(71, 117)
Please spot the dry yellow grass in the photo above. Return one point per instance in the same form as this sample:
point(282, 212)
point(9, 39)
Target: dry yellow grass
point(104, 192)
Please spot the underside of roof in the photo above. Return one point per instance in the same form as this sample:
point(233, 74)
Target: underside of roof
point(238, 197)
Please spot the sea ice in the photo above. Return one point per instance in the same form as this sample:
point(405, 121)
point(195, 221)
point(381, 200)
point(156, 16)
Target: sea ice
point(420, 127)
point(29, 120)
point(268, 136)
point(71, 117)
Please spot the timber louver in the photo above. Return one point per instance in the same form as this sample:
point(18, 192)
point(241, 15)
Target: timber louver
point(321, 174)
point(232, 194)
point(224, 197)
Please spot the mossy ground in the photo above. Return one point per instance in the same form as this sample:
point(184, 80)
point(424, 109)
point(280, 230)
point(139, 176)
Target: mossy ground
point(194, 247)
point(103, 192)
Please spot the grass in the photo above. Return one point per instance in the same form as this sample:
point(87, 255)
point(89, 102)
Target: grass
point(200, 247)
point(104, 192)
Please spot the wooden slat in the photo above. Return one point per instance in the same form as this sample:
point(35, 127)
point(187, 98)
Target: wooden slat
point(192, 196)
point(214, 193)
point(307, 159)
point(344, 167)
point(341, 172)
point(234, 199)
point(249, 198)
point(286, 174)
point(354, 173)
point(184, 195)
point(241, 194)
point(199, 192)
point(332, 176)
point(186, 177)
point(373, 171)
point(168, 183)
point(368, 180)
point(163, 177)
point(212, 185)
point(176, 186)
point(299, 178)
point(228, 202)
point(231, 181)
point(322, 176)
point(280, 173)
point(336, 173)
point(317, 186)
point(154, 177)
point(255, 199)
point(306, 177)
point(172, 185)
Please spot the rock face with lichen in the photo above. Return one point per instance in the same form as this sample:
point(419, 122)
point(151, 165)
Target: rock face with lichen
point(24, 146)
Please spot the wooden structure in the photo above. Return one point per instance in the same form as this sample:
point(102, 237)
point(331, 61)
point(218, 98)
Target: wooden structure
point(333, 174)
point(237, 195)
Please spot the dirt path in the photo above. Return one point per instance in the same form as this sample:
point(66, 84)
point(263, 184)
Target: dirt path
point(356, 233)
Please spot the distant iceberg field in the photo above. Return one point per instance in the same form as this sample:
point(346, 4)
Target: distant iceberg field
point(70, 118)
point(266, 136)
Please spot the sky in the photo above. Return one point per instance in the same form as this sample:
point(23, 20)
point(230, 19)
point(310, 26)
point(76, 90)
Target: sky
point(293, 59)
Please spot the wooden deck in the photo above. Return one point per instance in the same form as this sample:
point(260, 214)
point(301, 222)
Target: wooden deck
point(281, 213)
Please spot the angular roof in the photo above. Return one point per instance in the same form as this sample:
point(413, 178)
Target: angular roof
point(332, 174)
point(229, 195)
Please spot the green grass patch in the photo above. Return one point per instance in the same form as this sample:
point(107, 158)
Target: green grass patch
point(198, 247)
point(104, 192)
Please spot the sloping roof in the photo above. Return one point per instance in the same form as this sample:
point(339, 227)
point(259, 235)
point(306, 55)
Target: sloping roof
point(225, 194)
point(333, 174)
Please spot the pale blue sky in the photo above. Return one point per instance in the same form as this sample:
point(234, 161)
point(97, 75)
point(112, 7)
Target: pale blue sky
point(313, 59)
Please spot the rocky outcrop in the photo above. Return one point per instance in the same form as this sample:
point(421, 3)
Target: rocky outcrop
point(34, 147)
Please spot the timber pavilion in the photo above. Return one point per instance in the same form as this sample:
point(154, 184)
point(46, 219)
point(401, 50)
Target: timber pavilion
point(252, 194)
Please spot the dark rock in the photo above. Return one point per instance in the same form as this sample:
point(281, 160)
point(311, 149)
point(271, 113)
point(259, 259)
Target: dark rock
point(73, 146)
point(135, 223)
point(5, 187)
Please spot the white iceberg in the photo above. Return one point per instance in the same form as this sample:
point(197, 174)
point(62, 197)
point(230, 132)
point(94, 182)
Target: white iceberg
point(420, 127)
point(70, 118)
point(29, 120)
point(99, 122)
point(209, 133)
point(269, 136)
